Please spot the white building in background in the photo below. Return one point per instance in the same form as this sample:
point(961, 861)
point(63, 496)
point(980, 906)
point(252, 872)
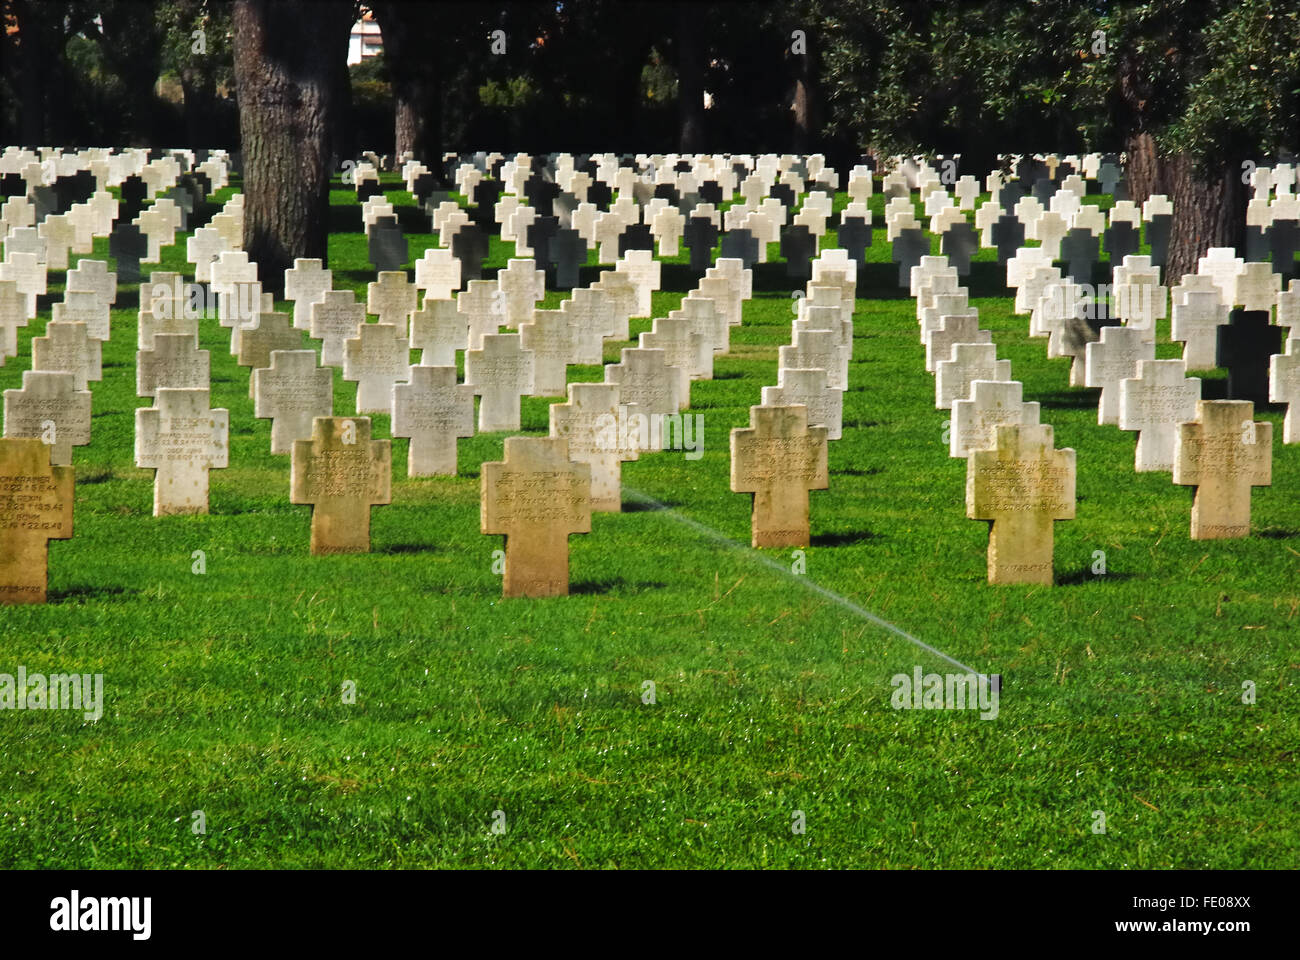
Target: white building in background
point(365, 40)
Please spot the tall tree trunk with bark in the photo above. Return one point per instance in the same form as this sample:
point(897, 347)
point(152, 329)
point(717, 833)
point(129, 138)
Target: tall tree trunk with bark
point(409, 31)
point(288, 56)
point(1209, 211)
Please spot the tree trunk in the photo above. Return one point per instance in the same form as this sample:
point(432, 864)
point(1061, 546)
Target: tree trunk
point(690, 80)
point(288, 55)
point(409, 31)
point(1209, 211)
point(1143, 167)
point(803, 104)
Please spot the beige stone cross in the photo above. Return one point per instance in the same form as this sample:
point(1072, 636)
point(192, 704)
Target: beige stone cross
point(779, 459)
point(377, 359)
point(83, 307)
point(268, 333)
point(35, 507)
point(306, 283)
point(67, 346)
point(13, 314)
point(292, 392)
point(392, 298)
point(432, 410)
point(438, 330)
point(50, 408)
point(596, 426)
point(181, 439)
point(172, 361)
point(482, 306)
point(1022, 485)
point(500, 372)
point(1284, 387)
point(550, 336)
point(342, 473)
point(536, 496)
point(335, 319)
point(1223, 453)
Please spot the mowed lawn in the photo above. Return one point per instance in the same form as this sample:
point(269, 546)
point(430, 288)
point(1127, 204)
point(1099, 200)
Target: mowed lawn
point(1122, 693)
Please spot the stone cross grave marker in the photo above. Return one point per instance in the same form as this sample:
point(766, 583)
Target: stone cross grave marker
point(910, 246)
point(1284, 387)
point(391, 298)
point(342, 473)
point(86, 308)
point(387, 246)
point(595, 424)
point(377, 359)
point(127, 246)
point(684, 347)
point(335, 319)
point(306, 283)
point(810, 389)
point(203, 249)
point(268, 333)
point(550, 336)
point(568, 252)
point(1223, 453)
point(470, 247)
point(701, 236)
point(536, 496)
point(592, 313)
point(779, 458)
point(500, 372)
point(1112, 358)
point(1244, 346)
point(35, 507)
point(1021, 485)
point(952, 330)
point(650, 388)
point(93, 276)
point(49, 408)
point(975, 417)
point(433, 410)
point(173, 360)
point(291, 392)
point(521, 286)
point(1197, 316)
point(181, 438)
point(483, 308)
point(437, 273)
point(67, 346)
point(1154, 403)
point(968, 362)
point(438, 330)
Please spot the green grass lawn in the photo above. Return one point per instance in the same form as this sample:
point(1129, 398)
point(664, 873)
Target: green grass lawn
point(1121, 693)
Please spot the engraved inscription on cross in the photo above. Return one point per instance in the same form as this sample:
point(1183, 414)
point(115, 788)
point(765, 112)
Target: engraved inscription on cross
point(291, 392)
point(1223, 453)
point(341, 472)
point(779, 459)
point(35, 507)
point(1022, 485)
point(536, 497)
point(181, 439)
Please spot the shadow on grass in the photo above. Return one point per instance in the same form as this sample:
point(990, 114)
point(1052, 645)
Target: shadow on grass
point(858, 472)
point(1085, 575)
point(96, 474)
point(1078, 399)
point(409, 548)
point(613, 585)
point(86, 592)
point(843, 538)
point(642, 506)
point(1274, 533)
